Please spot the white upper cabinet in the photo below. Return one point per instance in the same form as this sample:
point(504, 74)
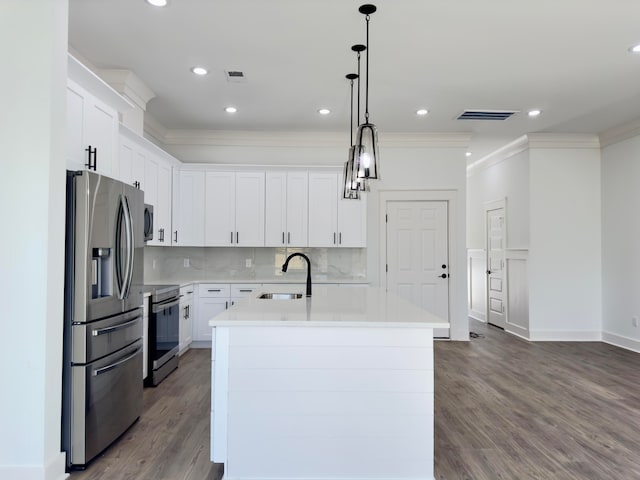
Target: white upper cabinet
point(286, 209)
point(131, 162)
point(323, 209)
point(352, 220)
point(162, 209)
point(188, 208)
point(92, 131)
point(234, 209)
point(334, 222)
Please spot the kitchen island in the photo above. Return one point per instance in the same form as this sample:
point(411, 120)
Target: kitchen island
point(335, 386)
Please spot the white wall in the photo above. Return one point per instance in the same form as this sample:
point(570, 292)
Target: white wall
point(621, 242)
point(416, 168)
point(509, 178)
point(565, 244)
point(32, 135)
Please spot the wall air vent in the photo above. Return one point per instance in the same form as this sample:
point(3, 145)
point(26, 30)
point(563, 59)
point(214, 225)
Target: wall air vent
point(235, 76)
point(486, 114)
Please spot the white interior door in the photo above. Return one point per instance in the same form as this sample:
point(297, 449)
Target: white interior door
point(417, 255)
point(495, 268)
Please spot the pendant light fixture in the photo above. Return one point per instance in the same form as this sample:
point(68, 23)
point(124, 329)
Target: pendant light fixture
point(358, 183)
point(350, 183)
point(367, 157)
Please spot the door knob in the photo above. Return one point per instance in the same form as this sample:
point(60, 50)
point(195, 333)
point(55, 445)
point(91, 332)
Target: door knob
point(444, 275)
point(488, 272)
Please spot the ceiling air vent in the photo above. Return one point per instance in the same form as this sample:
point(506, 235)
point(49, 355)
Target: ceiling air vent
point(235, 76)
point(486, 114)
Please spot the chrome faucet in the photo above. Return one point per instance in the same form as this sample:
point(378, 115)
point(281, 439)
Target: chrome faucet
point(286, 265)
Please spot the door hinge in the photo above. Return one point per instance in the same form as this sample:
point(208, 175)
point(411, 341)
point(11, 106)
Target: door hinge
point(386, 218)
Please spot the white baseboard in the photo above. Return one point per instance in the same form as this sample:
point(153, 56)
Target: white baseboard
point(53, 470)
point(477, 315)
point(620, 341)
point(564, 336)
point(517, 330)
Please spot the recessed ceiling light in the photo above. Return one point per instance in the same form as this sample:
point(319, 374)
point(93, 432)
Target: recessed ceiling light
point(534, 113)
point(635, 48)
point(324, 111)
point(199, 70)
point(157, 3)
point(468, 154)
point(422, 112)
point(231, 109)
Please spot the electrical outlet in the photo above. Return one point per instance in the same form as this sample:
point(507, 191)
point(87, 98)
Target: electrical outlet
point(634, 321)
point(247, 263)
point(186, 263)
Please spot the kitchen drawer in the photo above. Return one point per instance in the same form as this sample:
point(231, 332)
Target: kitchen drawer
point(239, 290)
point(187, 290)
point(214, 290)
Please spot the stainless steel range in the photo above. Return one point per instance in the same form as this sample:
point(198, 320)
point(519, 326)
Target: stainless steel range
point(164, 323)
point(102, 354)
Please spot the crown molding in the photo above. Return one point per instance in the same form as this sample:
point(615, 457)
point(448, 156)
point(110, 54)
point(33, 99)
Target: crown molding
point(298, 139)
point(563, 140)
point(620, 133)
point(90, 81)
point(128, 83)
point(509, 150)
point(154, 129)
point(534, 140)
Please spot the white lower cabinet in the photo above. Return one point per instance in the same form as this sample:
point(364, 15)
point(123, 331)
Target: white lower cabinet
point(213, 298)
point(242, 290)
point(186, 318)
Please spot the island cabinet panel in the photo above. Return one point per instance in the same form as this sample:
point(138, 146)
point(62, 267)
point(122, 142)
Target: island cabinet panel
point(323, 402)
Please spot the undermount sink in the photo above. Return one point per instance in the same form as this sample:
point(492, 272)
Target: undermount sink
point(280, 296)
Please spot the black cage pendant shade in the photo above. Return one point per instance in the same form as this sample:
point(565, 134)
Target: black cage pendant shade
point(350, 182)
point(358, 183)
point(366, 155)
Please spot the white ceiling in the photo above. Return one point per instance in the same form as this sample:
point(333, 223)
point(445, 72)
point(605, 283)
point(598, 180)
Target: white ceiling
point(566, 57)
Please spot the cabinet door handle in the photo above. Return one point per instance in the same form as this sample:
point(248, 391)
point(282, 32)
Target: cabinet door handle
point(334, 238)
point(237, 237)
point(161, 232)
point(214, 290)
point(231, 237)
point(91, 152)
point(283, 238)
point(288, 237)
point(176, 234)
point(226, 304)
point(247, 290)
point(340, 238)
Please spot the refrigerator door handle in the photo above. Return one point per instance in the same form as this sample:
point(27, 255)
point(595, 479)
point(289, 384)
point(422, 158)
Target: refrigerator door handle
point(119, 267)
point(128, 224)
point(102, 370)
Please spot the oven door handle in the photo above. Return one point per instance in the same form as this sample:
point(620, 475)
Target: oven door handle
point(102, 370)
point(162, 306)
point(120, 326)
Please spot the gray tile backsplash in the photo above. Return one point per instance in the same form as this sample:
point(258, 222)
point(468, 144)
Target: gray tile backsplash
point(184, 264)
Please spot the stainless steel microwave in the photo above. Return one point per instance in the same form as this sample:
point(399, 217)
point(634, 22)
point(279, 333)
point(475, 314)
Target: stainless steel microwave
point(148, 222)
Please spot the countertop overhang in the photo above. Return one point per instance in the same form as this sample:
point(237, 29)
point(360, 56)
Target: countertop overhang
point(329, 306)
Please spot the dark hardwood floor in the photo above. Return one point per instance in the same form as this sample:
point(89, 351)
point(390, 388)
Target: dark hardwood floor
point(509, 409)
point(504, 409)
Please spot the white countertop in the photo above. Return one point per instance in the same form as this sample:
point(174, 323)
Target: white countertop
point(328, 306)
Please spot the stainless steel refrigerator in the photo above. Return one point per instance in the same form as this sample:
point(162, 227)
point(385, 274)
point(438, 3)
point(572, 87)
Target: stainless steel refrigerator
point(102, 354)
